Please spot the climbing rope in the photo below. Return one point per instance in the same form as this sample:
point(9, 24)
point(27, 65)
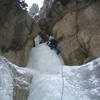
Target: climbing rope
point(62, 91)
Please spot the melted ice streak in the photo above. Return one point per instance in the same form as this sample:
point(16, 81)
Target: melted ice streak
point(80, 82)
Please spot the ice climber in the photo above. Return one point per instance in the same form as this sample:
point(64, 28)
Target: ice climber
point(52, 43)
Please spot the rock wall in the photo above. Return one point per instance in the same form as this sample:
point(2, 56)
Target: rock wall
point(17, 29)
point(77, 28)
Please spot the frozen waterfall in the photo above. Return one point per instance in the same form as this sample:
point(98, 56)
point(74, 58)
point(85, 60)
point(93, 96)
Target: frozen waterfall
point(51, 79)
point(77, 83)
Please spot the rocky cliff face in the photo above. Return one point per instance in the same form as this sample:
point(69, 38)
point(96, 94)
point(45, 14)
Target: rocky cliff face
point(50, 13)
point(16, 31)
point(76, 23)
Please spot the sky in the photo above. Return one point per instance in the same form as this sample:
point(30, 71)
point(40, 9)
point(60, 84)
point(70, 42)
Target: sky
point(30, 2)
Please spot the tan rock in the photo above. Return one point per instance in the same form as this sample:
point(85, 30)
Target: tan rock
point(17, 30)
point(78, 48)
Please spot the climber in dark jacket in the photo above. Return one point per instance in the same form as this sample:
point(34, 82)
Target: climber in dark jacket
point(52, 43)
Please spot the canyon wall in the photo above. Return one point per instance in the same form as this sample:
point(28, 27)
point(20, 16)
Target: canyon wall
point(17, 30)
point(76, 26)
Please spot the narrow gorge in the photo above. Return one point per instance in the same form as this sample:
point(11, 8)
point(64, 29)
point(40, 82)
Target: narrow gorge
point(30, 69)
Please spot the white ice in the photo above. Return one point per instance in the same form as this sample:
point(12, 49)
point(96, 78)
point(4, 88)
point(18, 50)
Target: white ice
point(12, 76)
point(80, 82)
point(6, 81)
point(44, 60)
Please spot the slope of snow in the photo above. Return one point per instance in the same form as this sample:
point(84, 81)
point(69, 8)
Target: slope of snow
point(83, 82)
point(12, 76)
point(6, 81)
